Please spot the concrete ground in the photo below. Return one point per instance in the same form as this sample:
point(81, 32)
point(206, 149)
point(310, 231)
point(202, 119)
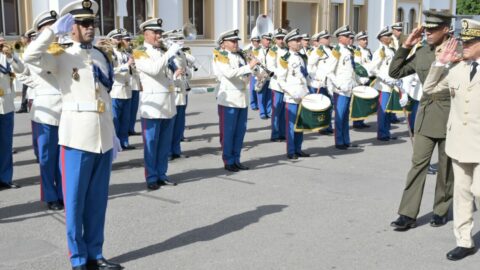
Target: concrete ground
point(329, 211)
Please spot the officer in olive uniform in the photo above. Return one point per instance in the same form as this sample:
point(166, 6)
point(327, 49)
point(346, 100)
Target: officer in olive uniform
point(86, 132)
point(430, 123)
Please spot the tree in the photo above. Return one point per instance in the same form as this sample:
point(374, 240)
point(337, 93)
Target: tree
point(468, 7)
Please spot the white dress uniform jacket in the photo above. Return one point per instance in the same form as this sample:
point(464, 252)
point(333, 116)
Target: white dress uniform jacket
point(158, 97)
point(7, 93)
point(121, 84)
point(363, 56)
point(292, 78)
point(382, 58)
point(343, 78)
point(233, 76)
point(413, 86)
point(320, 63)
point(86, 121)
point(273, 57)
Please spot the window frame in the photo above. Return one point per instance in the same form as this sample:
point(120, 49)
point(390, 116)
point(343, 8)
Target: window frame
point(199, 36)
point(18, 21)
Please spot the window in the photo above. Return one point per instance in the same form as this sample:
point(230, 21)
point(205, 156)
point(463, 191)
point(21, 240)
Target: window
point(335, 17)
point(400, 15)
point(253, 10)
point(136, 15)
point(106, 16)
point(9, 24)
point(196, 11)
point(411, 20)
point(356, 19)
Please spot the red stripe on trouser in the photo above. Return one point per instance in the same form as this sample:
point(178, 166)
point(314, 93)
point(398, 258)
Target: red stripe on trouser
point(144, 131)
point(41, 179)
point(287, 125)
point(64, 188)
point(221, 114)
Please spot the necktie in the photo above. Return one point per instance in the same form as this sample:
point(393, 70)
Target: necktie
point(474, 70)
point(86, 46)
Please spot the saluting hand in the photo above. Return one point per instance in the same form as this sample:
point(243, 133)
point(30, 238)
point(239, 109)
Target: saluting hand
point(413, 38)
point(449, 52)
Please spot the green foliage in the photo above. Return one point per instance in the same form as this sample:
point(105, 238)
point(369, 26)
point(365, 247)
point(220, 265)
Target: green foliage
point(468, 7)
point(138, 41)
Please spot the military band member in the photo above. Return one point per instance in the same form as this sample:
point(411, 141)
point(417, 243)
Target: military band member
point(254, 48)
point(430, 124)
point(26, 39)
point(379, 66)
point(342, 80)
point(306, 48)
point(292, 79)
point(46, 110)
point(397, 35)
point(134, 85)
point(86, 132)
point(412, 86)
point(157, 104)
point(362, 56)
point(325, 67)
point(121, 93)
point(314, 40)
point(278, 104)
point(9, 63)
point(181, 92)
point(262, 79)
point(233, 74)
point(462, 143)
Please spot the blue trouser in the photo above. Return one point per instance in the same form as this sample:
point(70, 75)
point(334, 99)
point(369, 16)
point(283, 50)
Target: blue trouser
point(85, 179)
point(34, 139)
point(133, 110)
point(342, 114)
point(233, 126)
point(383, 118)
point(178, 129)
point(265, 101)
point(324, 91)
point(48, 158)
point(294, 139)
point(312, 90)
point(278, 116)
point(6, 143)
point(121, 118)
point(413, 114)
point(393, 117)
point(253, 93)
point(157, 140)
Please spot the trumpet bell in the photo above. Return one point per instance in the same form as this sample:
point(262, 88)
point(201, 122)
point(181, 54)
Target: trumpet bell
point(189, 31)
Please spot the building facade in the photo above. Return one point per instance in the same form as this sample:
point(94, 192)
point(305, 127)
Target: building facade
point(212, 17)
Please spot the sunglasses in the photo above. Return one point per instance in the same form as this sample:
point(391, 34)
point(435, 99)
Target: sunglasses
point(87, 23)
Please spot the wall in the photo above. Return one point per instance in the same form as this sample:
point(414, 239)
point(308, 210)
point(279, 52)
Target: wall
point(172, 17)
point(299, 16)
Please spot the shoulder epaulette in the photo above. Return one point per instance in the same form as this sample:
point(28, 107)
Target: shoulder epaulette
point(320, 52)
point(382, 53)
point(336, 52)
point(284, 60)
point(140, 52)
point(220, 56)
point(357, 53)
point(272, 52)
point(256, 51)
point(274, 48)
point(55, 49)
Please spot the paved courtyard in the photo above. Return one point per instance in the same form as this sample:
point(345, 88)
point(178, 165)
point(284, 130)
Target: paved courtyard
point(330, 211)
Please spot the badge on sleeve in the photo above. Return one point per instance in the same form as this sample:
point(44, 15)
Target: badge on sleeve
point(75, 74)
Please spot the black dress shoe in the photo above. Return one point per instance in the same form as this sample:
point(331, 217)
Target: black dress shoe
point(276, 140)
point(385, 139)
point(438, 221)
point(134, 133)
point(292, 156)
point(459, 253)
point(81, 267)
point(8, 186)
point(128, 147)
point(175, 156)
point(14, 151)
point(22, 110)
point(240, 166)
point(351, 145)
point(185, 140)
point(341, 147)
point(55, 206)
point(153, 186)
point(231, 168)
point(326, 132)
point(302, 154)
point(166, 182)
point(102, 264)
point(393, 138)
point(404, 223)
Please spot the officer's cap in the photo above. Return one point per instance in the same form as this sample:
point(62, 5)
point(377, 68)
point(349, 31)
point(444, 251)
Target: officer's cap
point(44, 18)
point(267, 36)
point(397, 26)
point(81, 10)
point(352, 34)
point(384, 32)
point(342, 31)
point(280, 33)
point(126, 35)
point(305, 36)
point(470, 30)
point(255, 38)
point(154, 24)
point(294, 34)
point(361, 35)
point(31, 33)
point(116, 33)
point(434, 18)
point(228, 35)
point(322, 34)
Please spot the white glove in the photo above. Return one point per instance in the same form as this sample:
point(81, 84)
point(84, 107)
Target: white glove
point(117, 147)
point(63, 25)
point(364, 80)
point(404, 100)
point(172, 50)
point(391, 82)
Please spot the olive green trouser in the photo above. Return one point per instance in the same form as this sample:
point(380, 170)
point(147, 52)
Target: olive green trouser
point(412, 195)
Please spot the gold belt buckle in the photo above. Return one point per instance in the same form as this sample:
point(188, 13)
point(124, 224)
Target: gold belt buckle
point(100, 106)
point(2, 92)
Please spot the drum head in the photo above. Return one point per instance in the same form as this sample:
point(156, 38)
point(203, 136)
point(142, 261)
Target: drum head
point(365, 92)
point(316, 102)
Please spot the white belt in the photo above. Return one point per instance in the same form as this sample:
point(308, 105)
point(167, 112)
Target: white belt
point(85, 106)
point(170, 89)
point(47, 92)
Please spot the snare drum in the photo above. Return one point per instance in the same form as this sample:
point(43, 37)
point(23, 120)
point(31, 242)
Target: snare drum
point(364, 102)
point(314, 113)
point(394, 101)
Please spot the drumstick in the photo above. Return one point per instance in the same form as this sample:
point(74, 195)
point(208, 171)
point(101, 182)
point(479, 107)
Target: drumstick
point(408, 123)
